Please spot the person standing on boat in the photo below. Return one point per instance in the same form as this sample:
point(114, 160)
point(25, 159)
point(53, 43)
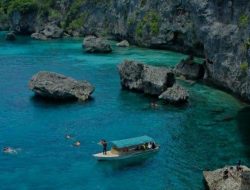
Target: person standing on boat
point(104, 146)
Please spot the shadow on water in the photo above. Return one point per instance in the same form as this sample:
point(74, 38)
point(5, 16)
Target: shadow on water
point(126, 164)
point(48, 102)
point(243, 121)
point(138, 101)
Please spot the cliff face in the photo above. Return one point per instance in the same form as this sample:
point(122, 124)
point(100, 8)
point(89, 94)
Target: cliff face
point(223, 28)
point(215, 29)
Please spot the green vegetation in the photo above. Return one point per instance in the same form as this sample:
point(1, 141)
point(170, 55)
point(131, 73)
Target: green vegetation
point(54, 14)
point(75, 7)
point(45, 6)
point(3, 15)
point(131, 20)
point(143, 3)
point(139, 30)
point(244, 46)
point(247, 43)
point(152, 21)
point(78, 23)
point(244, 66)
point(244, 20)
point(23, 6)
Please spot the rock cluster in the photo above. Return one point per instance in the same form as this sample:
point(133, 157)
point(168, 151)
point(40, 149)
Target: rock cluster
point(38, 36)
point(236, 180)
point(92, 44)
point(190, 69)
point(156, 81)
point(123, 43)
point(175, 94)
point(50, 31)
point(204, 27)
point(10, 36)
point(56, 86)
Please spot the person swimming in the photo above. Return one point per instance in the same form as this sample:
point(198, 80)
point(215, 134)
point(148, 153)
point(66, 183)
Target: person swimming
point(9, 150)
point(68, 136)
point(154, 105)
point(77, 143)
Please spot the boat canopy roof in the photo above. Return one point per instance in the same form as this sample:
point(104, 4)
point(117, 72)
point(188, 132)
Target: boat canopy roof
point(132, 142)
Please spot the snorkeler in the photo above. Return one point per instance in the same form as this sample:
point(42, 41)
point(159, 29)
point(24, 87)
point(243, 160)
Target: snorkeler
point(9, 150)
point(77, 143)
point(154, 104)
point(68, 136)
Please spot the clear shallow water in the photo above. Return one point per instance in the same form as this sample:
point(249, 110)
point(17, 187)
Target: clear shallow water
point(192, 138)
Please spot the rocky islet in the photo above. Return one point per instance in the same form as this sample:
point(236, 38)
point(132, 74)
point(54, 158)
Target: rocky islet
point(92, 44)
point(203, 27)
point(56, 86)
point(233, 179)
point(155, 81)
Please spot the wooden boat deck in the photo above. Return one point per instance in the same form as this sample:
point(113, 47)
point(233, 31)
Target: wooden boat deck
point(108, 155)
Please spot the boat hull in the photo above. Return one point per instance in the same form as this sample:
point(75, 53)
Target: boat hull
point(113, 157)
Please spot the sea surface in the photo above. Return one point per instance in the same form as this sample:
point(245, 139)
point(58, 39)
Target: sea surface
point(210, 132)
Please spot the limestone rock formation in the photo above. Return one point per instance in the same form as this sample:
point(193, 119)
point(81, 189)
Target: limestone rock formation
point(190, 69)
point(23, 22)
point(155, 81)
point(236, 180)
point(52, 31)
point(144, 78)
point(175, 95)
point(123, 43)
point(93, 44)
point(10, 36)
point(56, 86)
point(217, 30)
point(38, 36)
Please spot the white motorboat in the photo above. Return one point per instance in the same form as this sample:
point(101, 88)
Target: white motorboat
point(129, 148)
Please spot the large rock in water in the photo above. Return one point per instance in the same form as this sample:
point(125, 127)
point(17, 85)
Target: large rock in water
point(123, 43)
point(38, 36)
point(57, 86)
point(93, 44)
point(50, 31)
point(144, 78)
point(190, 69)
point(236, 180)
point(175, 95)
point(10, 36)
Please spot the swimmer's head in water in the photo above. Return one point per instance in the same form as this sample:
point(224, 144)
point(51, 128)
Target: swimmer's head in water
point(77, 143)
point(68, 136)
point(10, 150)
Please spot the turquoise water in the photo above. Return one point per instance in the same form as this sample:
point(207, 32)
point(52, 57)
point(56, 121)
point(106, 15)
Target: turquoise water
point(192, 138)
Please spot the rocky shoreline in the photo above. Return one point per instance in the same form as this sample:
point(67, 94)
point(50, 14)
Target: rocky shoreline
point(155, 81)
point(217, 31)
point(228, 178)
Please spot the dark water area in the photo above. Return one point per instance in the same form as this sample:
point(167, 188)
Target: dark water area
point(210, 132)
point(243, 122)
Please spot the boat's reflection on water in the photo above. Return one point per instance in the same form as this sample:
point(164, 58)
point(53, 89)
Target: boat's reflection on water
point(125, 164)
